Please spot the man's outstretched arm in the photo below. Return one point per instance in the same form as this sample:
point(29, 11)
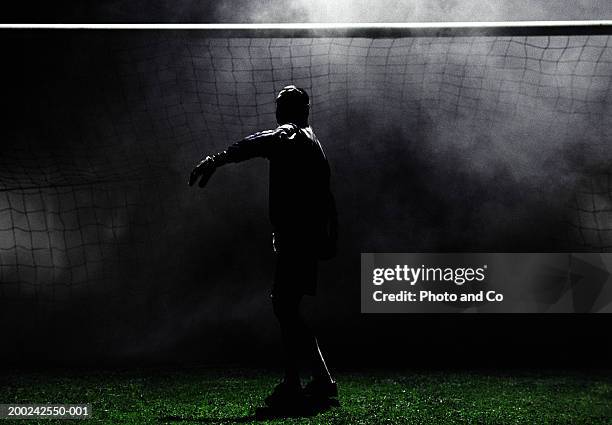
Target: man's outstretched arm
point(260, 144)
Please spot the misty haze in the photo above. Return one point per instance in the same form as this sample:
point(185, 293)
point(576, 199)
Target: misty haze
point(436, 144)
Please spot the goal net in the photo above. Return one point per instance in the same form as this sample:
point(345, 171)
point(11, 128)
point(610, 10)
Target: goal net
point(93, 195)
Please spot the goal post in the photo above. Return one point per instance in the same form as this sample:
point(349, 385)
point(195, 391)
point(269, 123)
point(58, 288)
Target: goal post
point(367, 30)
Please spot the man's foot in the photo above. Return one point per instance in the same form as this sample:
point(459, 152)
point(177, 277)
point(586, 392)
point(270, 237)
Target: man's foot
point(321, 389)
point(286, 395)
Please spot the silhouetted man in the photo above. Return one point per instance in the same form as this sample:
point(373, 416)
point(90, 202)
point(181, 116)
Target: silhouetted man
point(303, 217)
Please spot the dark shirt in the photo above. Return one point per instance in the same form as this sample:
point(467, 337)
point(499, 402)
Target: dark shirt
point(302, 210)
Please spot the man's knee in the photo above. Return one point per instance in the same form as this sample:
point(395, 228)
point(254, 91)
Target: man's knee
point(286, 308)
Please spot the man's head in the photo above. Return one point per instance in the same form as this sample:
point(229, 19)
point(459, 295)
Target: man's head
point(292, 106)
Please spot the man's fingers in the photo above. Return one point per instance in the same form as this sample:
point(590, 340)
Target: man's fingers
point(193, 177)
point(204, 179)
point(205, 170)
point(206, 175)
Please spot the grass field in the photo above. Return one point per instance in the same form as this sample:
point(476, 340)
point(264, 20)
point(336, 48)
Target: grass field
point(216, 396)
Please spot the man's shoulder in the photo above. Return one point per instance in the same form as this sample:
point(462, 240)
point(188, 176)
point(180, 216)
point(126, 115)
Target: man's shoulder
point(296, 133)
point(287, 130)
point(309, 132)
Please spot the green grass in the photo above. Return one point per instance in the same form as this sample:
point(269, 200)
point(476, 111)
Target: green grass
point(202, 395)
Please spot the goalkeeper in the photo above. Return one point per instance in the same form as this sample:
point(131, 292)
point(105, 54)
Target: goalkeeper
point(303, 217)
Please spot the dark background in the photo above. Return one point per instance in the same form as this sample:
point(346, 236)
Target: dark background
point(108, 256)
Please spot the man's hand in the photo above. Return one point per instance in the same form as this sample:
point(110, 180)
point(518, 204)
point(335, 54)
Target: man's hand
point(205, 170)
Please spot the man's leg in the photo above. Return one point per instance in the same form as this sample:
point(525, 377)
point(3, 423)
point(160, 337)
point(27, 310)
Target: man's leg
point(299, 341)
point(286, 310)
point(319, 367)
point(296, 275)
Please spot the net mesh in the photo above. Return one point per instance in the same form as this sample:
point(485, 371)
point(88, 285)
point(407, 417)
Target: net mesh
point(81, 218)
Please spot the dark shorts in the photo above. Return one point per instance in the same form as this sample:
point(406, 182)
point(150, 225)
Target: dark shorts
point(295, 275)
